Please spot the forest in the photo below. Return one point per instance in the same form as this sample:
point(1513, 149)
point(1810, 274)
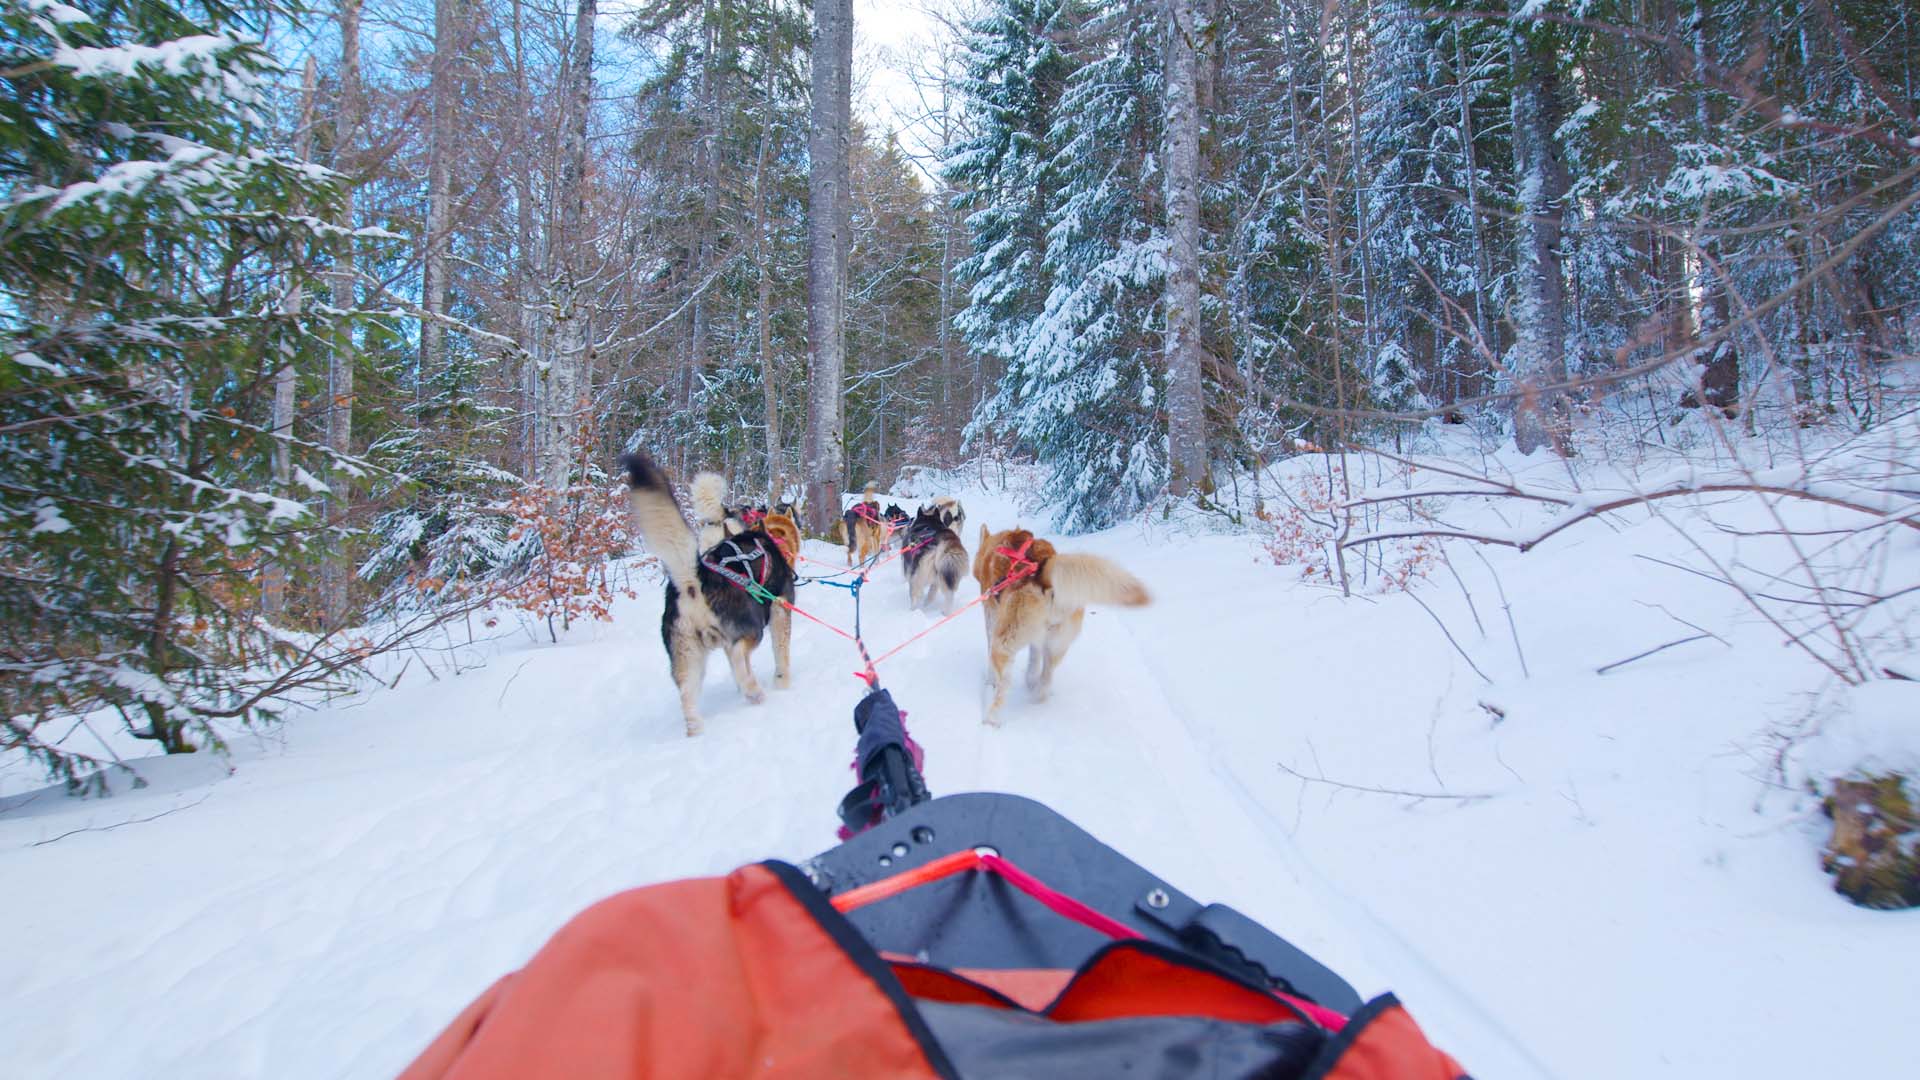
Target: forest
point(327, 322)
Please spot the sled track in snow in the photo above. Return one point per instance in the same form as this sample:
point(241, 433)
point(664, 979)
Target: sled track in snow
point(1331, 925)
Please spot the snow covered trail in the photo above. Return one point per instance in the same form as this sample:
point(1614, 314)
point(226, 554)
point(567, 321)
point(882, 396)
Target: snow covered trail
point(339, 897)
point(368, 868)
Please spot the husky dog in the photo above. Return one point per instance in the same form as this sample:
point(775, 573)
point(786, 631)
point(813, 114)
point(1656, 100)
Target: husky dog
point(951, 514)
point(895, 525)
point(781, 523)
point(935, 561)
point(1042, 610)
point(866, 529)
point(705, 610)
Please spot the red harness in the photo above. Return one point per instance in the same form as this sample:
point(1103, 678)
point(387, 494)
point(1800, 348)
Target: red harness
point(1022, 566)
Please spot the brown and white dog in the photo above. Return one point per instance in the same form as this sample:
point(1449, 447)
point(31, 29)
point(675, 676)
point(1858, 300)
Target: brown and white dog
point(780, 522)
point(935, 561)
point(705, 610)
point(1043, 609)
point(866, 528)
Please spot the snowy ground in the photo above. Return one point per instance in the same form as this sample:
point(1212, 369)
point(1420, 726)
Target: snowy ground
point(1635, 895)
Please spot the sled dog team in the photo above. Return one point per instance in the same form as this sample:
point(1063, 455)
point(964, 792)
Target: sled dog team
point(724, 573)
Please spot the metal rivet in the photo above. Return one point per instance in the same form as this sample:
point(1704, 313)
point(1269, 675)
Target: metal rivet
point(922, 834)
point(1158, 898)
point(886, 860)
point(899, 851)
point(986, 849)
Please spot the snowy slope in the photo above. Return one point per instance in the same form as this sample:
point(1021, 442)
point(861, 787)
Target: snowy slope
point(1631, 898)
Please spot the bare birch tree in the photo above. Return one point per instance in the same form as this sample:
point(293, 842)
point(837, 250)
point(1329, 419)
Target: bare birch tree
point(567, 376)
point(443, 137)
point(286, 378)
point(340, 393)
point(1186, 410)
point(827, 228)
point(1539, 355)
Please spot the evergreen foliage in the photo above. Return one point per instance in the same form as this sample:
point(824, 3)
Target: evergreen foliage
point(150, 241)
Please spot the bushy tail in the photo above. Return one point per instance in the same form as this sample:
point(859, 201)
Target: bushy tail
point(656, 517)
point(709, 495)
point(951, 564)
point(1079, 580)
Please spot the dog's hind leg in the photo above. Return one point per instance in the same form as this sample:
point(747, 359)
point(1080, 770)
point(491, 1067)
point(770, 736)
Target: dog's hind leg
point(1059, 639)
point(689, 663)
point(782, 646)
point(999, 657)
point(740, 655)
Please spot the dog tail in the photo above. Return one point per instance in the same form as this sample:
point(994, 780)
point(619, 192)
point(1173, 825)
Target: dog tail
point(951, 564)
point(656, 517)
point(709, 495)
point(1079, 580)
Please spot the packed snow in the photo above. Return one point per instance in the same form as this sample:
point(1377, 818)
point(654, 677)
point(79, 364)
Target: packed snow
point(1564, 873)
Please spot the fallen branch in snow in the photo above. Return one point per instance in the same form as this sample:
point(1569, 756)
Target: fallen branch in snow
point(1829, 597)
point(1604, 668)
point(119, 824)
point(1905, 513)
point(1450, 638)
point(1689, 625)
point(1507, 606)
point(1371, 790)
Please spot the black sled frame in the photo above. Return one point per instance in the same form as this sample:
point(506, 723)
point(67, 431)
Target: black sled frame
point(979, 920)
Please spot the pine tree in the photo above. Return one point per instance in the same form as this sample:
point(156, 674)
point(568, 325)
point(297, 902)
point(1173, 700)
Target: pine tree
point(1536, 365)
point(1087, 389)
point(1252, 204)
point(148, 240)
point(1015, 70)
point(1408, 117)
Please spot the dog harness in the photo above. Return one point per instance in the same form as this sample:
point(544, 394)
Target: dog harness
point(746, 559)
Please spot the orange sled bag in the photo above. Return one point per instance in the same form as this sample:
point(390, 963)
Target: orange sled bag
point(760, 974)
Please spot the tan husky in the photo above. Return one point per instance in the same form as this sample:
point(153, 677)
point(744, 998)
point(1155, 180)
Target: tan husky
point(1043, 609)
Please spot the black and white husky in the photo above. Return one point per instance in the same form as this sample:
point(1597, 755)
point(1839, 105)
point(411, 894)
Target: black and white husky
point(705, 608)
point(935, 560)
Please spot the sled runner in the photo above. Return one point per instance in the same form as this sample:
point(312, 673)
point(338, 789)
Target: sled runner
point(976, 935)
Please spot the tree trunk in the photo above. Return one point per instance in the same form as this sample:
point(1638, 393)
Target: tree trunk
point(528, 261)
point(827, 228)
point(763, 297)
point(1362, 246)
point(340, 364)
point(286, 379)
point(949, 225)
point(443, 134)
point(1720, 368)
point(1186, 416)
point(164, 728)
point(567, 377)
point(708, 156)
point(1483, 329)
point(1539, 357)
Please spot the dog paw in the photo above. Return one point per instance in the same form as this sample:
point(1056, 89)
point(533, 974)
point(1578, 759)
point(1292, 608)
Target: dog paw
point(695, 726)
point(992, 720)
point(783, 682)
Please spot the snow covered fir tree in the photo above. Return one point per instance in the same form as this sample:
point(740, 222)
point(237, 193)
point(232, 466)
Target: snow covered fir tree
point(1509, 409)
point(163, 260)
